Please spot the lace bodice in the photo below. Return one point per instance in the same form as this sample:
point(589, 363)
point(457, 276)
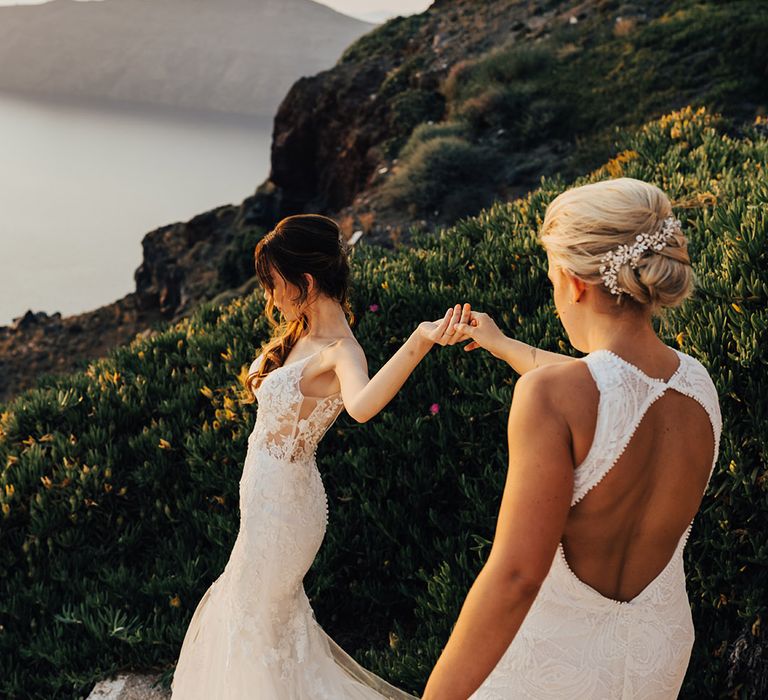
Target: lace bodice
point(626, 393)
point(576, 643)
point(280, 429)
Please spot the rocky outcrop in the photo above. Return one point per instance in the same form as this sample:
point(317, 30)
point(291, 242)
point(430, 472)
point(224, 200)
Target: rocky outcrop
point(179, 262)
point(132, 686)
point(38, 343)
point(333, 130)
point(180, 269)
point(331, 134)
point(335, 143)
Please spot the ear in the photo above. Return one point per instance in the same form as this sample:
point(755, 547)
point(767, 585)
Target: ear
point(576, 286)
point(311, 286)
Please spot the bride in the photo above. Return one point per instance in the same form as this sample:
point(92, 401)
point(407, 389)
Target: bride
point(253, 633)
point(583, 593)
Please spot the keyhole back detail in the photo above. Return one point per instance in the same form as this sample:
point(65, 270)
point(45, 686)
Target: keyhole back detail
point(634, 429)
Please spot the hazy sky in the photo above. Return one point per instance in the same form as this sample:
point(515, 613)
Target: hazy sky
point(372, 10)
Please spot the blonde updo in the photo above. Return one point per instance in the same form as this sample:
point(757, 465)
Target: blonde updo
point(584, 223)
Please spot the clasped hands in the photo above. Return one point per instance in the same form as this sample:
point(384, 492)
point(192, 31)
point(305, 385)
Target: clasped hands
point(461, 323)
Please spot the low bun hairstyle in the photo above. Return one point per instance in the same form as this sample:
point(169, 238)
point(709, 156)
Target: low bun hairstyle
point(298, 245)
point(584, 223)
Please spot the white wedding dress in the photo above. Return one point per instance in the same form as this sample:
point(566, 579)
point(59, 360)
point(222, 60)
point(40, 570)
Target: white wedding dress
point(253, 634)
point(576, 644)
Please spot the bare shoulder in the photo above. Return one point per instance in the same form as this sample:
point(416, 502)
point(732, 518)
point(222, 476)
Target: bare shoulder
point(563, 385)
point(345, 350)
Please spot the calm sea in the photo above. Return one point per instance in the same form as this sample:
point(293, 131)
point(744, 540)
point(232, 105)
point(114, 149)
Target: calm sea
point(81, 182)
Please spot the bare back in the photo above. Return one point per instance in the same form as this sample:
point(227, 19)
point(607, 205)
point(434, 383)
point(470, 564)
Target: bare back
point(645, 448)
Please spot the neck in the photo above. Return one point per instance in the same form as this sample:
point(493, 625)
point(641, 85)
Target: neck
point(326, 319)
point(628, 334)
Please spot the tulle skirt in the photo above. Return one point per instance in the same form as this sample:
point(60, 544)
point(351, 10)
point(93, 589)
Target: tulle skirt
point(226, 656)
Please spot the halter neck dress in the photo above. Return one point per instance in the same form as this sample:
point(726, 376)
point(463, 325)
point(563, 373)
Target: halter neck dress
point(575, 643)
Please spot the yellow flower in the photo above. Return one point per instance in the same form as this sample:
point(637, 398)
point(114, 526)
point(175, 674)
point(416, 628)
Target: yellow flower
point(208, 393)
point(9, 490)
point(736, 308)
point(175, 602)
point(164, 444)
point(6, 509)
point(679, 339)
point(384, 285)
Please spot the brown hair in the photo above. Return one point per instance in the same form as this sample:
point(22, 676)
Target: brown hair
point(298, 245)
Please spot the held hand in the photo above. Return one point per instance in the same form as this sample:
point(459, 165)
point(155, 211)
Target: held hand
point(442, 331)
point(484, 333)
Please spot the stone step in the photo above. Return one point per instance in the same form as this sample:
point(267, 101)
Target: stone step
point(129, 686)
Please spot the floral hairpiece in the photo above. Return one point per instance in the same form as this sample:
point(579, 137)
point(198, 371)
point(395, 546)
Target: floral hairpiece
point(614, 259)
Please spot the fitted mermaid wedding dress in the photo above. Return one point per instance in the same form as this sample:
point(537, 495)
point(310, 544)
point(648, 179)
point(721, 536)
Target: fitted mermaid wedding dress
point(575, 643)
point(253, 634)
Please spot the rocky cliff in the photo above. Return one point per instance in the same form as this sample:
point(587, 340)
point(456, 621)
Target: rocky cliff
point(517, 89)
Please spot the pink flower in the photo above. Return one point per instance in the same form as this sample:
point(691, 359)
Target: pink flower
point(434, 409)
point(373, 307)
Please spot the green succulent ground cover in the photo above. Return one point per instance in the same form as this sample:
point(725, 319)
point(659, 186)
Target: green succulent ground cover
point(553, 105)
point(119, 484)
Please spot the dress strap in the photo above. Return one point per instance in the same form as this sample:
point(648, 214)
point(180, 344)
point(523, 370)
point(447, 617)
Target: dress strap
point(626, 394)
point(624, 398)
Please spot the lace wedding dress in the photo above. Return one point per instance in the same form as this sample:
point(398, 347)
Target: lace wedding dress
point(575, 643)
point(253, 634)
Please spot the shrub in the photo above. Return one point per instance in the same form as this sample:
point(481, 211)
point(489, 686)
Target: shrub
point(119, 485)
point(236, 265)
point(554, 106)
point(428, 131)
point(500, 66)
point(446, 174)
point(409, 108)
point(390, 38)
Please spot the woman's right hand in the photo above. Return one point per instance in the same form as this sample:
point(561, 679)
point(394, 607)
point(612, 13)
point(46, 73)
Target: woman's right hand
point(484, 333)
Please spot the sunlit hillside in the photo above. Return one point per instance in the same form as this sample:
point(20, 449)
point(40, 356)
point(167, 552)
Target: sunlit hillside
point(119, 485)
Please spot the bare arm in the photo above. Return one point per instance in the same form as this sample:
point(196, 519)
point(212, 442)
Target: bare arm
point(363, 397)
point(520, 356)
point(532, 516)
